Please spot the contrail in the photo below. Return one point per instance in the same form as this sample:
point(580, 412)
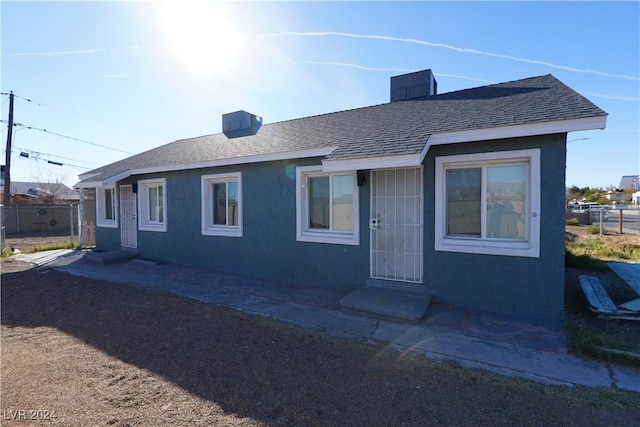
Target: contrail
point(454, 48)
point(60, 52)
point(399, 70)
point(622, 98)
point(360, 67)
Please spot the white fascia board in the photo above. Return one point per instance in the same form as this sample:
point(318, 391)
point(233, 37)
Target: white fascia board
point(561, 126)
point(320, 152)
point(115, 178)
point(87, 184)
point(398, 161)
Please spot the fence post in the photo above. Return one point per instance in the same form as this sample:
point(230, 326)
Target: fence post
point(17, 218)
point(71, 220)
point(81, 219)
point(2, 235)
point(620, 221)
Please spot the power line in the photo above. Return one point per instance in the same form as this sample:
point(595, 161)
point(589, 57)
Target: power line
point(68, 137)
point(38, 153)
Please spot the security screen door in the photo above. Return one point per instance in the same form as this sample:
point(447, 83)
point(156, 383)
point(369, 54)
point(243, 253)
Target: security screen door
point(128, 222)
point(396, 224)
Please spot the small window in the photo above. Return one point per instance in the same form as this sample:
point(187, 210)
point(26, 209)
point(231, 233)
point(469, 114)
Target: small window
point(489, 203)
point(106, 207)
point(222, 205)
point(327, 206)
point(153, 205)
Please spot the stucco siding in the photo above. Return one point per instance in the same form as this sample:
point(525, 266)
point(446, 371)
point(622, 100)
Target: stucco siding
point(523, 286)
point(268, 247)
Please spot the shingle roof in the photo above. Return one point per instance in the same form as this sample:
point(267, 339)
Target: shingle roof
point(396, 128)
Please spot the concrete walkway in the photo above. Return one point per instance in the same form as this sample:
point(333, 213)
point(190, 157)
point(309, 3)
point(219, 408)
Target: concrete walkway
point(530, 349)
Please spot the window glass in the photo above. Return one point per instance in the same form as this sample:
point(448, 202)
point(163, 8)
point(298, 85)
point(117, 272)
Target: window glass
point(319, 202)
point(506, 201)
point(220, 203)
point(155, 204)
point(488, 203)
point(326, 206)
point(232, 203)
point(464, 202)
point(342, 198)
point(109, 204)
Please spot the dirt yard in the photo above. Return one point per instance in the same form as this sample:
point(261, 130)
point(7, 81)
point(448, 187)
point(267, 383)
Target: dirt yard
point(79, 352)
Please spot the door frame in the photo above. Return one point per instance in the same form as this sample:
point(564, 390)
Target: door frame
point(375, 226)
point(128, 223)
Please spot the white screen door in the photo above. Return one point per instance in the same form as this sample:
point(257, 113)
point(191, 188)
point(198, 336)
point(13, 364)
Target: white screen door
point(128, 222)
point(396, 224)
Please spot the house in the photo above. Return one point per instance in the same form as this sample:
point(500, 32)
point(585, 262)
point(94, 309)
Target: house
point(40, 192)
point(457, 195)
point(629, 182)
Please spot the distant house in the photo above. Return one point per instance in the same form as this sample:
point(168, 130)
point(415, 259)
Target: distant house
point(38, 192)
point(630, 182)
point(457, 195)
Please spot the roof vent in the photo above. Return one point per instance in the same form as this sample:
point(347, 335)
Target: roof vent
point(418, 85)
point(240, 123)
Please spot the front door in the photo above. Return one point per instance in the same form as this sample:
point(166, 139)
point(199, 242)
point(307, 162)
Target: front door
point(128, 221)
point(396, 224)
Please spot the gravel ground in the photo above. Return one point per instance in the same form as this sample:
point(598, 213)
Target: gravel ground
point(80, 352)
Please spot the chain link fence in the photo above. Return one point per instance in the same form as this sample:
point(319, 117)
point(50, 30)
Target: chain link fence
point(44, 220)
point(623, 221)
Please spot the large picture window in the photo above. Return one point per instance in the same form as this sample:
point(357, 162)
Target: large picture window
point(152, 202)
point(326, 206)
point(489, 203)
point(106, 207)
point(222, 205)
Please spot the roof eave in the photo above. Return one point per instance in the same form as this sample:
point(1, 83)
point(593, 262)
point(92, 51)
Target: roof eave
point(379, 162)
point(531, 129)
point(319, 152)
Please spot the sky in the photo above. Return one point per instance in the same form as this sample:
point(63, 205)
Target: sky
point(96, 82)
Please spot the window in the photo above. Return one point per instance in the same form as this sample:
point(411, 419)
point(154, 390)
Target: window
point(488, 203)
point(152, 203)
point(222, 205)
point(106, 207)
point(326, 206)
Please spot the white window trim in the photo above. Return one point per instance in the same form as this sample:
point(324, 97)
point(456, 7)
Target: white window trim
point(303, 232)
point(101, 219)
point(206, 199)
point(530, 246)
point(144, 223)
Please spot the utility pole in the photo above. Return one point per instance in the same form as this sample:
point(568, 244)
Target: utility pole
point(7, 168)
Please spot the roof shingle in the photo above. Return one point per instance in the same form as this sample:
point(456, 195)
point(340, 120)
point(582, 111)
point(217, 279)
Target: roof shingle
point(381, 130)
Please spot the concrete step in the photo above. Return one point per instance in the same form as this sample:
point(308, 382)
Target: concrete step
point(109, 257)
point(387, 304)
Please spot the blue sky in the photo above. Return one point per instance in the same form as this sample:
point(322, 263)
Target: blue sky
point(110, 79)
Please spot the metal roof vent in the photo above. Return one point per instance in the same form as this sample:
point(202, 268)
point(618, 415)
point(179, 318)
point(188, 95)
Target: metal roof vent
point(240, 123)
point(418, 85)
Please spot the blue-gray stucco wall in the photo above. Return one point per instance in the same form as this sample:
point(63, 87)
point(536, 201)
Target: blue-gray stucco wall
point(522, 286)
point(529, 287)
point(268, 248)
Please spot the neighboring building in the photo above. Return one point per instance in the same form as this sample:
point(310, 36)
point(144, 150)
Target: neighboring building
point(615, 196)
point(460, 195)
point(630, 182)
point(39, 192)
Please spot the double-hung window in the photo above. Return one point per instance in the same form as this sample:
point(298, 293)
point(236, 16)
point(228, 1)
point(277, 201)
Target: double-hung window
point(488, 203)
point(106, 207)
point(326, 206)
point(152, 202)
point(222, 204)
